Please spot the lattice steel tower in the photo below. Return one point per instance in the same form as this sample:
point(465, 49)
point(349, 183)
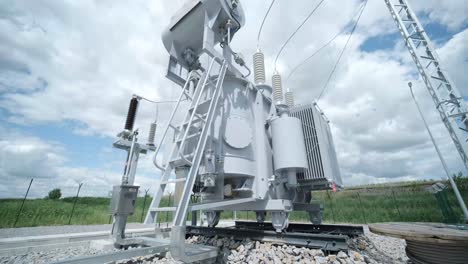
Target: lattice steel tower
point(448, 100)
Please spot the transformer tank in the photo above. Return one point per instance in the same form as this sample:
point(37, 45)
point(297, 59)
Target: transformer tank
point(237, 147)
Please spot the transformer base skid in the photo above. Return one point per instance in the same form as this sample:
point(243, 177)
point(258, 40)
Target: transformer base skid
point(329, 238)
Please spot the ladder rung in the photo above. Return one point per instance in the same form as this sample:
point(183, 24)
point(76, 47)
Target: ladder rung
point(163, 209)
point(174, 127)
point(178, 159)
point(199, 118)
point(200, 106)
point(189, 136)
point(173, 181)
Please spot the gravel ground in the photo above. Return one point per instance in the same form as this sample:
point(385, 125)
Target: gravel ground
point(43, 257)
point(394, 248)
point(369, 248)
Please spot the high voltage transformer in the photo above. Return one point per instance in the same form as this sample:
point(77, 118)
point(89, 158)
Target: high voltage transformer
point(243, 146)
point(239, 146)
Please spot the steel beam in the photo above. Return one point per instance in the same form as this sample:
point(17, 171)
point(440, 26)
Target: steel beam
point(325, 242)
point(115, 256)
point(348, 230)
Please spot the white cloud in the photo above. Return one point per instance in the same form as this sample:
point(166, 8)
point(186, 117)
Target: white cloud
point(23, 157)
point(83, 60)
point(451, 13)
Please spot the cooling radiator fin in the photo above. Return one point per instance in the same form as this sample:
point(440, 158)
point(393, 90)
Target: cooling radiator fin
point(321, 155)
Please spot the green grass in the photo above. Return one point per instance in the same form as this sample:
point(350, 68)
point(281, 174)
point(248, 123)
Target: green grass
point(376, 204)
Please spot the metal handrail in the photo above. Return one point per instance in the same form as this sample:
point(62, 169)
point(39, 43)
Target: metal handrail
point(195, 106)
point(155, 162)
point(181, 211)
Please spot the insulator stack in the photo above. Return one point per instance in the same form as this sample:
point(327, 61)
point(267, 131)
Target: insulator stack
point(131, 115)
point(289, 97)
point(152, 134)
point(277, 88)
point(259, 67)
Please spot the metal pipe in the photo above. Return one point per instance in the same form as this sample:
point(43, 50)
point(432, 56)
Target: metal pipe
point(131, 153)
point(442, 160)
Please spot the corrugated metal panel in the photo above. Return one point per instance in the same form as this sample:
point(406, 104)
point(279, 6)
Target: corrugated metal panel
point(321, 154)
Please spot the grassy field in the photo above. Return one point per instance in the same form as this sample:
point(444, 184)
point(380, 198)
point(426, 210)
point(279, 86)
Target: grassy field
point(368, 204)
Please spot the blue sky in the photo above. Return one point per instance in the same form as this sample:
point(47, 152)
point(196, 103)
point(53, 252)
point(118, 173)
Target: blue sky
point(68, 70)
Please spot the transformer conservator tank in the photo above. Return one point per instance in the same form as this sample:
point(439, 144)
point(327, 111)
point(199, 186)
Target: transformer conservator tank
point(288, 144)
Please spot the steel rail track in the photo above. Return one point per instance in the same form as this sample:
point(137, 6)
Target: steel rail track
point(330, 238)
point(348, 230)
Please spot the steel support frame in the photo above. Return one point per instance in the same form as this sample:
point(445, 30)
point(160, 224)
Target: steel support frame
point(447, 99)
point(115, 256)
point(247, 204)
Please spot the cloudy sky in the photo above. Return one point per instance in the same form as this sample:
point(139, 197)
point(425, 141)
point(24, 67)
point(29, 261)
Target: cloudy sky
point(69, 68)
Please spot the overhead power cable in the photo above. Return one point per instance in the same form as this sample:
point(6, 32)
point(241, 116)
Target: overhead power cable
point(297, 29)
point(342, 51)
point(313, 54)
point(322, 47)
point(263, 22)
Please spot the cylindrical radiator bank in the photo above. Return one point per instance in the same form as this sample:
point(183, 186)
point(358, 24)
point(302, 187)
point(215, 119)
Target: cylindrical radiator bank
point(131, 115)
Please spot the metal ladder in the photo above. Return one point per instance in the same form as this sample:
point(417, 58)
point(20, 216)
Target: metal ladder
point(199, 117)
point(446, 97)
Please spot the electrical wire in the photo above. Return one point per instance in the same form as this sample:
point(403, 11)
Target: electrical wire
point(321, 48)
point(313, 54)
point(263, 22)
point(156, 103)
point(153, 101)
point(342, 51)
point(297, 29)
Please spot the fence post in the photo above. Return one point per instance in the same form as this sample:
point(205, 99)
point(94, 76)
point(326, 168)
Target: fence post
point(22, 204)
point(74, 203)
point(144, 204)
point(396, 204)
point(167, 212)
point(331, 206)
point(362, 208)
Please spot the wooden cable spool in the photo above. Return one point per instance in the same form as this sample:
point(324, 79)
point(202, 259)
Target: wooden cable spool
point(429, 243)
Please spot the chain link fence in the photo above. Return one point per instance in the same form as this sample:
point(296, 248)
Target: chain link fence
point(406, 203)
